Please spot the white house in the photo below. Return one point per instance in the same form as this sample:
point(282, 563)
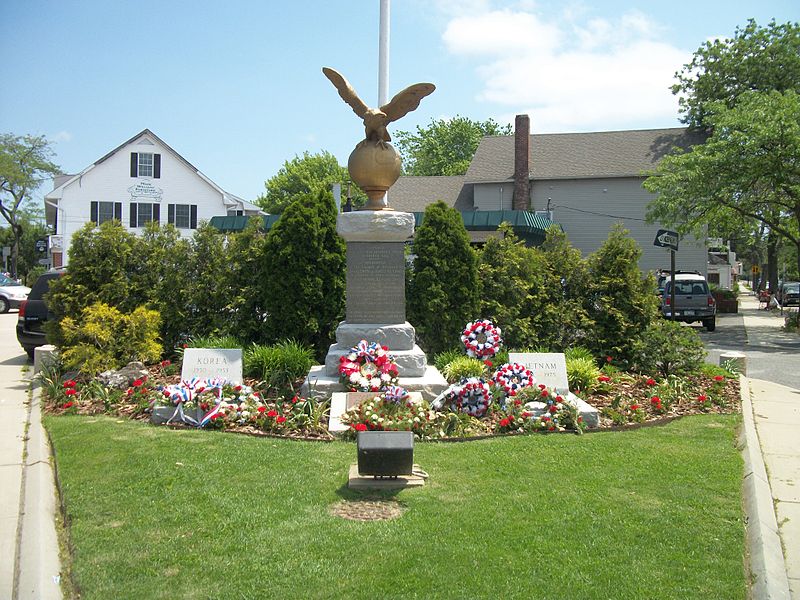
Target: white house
point(141, 180)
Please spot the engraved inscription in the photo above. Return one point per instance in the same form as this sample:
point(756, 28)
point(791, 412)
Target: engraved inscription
point(375, 282)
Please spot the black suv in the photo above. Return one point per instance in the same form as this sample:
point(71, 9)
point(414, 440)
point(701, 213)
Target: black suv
point(33, 313)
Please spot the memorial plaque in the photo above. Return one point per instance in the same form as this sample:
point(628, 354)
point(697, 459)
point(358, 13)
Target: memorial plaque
point(549, 368)
point(376, 283)
point(208, 363)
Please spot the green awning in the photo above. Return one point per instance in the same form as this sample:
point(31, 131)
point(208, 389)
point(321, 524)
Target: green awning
point(526, 224)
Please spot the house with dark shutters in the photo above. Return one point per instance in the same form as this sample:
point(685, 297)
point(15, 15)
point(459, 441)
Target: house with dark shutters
point(584, 182)
point(141, 180)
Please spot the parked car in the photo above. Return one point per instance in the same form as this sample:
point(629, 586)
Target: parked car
point(12, 293)
point(789, 293)
point(34, 313)
point(693, 300)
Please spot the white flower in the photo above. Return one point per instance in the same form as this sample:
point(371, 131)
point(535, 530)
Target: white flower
point(354, 377)
point(245, 414)
point(374, 417)
point(385, 377)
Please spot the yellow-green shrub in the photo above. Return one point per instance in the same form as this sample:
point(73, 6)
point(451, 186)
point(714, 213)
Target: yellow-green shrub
point(106, 338)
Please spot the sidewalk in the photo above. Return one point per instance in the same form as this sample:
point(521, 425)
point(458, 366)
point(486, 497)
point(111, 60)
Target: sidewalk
point(771, 415)
point(29, 562)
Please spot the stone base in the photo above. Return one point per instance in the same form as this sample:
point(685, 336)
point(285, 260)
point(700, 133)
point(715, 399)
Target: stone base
point(319, 384)
point(396, 337)
point(410, 363)
point(356, 482)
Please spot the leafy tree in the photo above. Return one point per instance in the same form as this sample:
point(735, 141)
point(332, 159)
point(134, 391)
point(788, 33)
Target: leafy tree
point(442, 290)
point(304, 258)
point(620, 301)
point(445, 147)
point(755, 59)
point(245, 251)
point(24, 164)
point(748, 168)
point(305, 175)
point(27, 258)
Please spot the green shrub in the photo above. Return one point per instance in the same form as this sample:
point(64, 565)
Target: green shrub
point(442, 290)
point(667, 348)
point(463, 366)
point(214, 341)
point(442, 359)
point(281, 365)
point(105, 338)
point(303, 277)
point(711, 371)
point(582, 373)
point(578, 352)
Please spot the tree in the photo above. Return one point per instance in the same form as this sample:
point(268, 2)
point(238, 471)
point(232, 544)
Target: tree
point(442, 290)
point(305, 175)
point(749, 167)
point(755, 59)
point(24, 165)
point(445, 147)
point(304, 260)
point(27, 257)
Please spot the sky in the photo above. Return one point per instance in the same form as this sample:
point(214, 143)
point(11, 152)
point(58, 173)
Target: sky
point(237, 89)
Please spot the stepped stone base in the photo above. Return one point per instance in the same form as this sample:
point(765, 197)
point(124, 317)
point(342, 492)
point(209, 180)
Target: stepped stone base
point(319, 384)
point(396, 337)
point(410, 363)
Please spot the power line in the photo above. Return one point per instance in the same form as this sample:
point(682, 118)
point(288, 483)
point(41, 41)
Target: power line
point(599, 214)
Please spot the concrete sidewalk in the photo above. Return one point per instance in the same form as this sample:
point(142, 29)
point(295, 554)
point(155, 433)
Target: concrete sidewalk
point(29, 559)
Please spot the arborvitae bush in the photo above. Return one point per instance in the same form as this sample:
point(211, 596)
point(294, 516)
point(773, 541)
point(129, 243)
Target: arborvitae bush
point(667, 348)
point(303, 260)
point(620, 300)
point(245, 251)
point(442, 290)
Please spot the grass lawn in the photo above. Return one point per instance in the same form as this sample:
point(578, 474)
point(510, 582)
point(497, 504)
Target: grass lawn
point(650, 513)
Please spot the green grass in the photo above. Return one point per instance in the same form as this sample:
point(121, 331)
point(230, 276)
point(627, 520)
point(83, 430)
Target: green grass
point(651, 513)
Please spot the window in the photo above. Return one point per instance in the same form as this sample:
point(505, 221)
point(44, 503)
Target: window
point(144, 212)
point(235, 213)
point(183, 216)
point(100, 212)
point(145, 164)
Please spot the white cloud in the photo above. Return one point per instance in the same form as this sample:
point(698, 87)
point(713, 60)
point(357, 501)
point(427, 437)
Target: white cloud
point(579, 73)
point(62, 136)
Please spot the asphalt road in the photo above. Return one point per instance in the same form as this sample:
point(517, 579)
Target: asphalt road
point(772, 354)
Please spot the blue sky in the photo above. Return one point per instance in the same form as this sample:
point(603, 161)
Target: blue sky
point(236, 87)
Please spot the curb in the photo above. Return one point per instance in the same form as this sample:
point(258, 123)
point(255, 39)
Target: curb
point(769, 580)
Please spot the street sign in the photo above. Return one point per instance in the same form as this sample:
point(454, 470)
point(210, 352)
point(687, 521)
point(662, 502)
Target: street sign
point(667, 239)
point(755, 269)
point(41, 245)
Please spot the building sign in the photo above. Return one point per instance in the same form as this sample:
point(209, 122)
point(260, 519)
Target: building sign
point(145, 189)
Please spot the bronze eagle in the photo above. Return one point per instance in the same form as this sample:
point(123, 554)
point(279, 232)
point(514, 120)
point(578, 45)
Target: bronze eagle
point(376, 119)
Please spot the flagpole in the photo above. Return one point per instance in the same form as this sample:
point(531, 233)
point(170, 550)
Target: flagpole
point(383, 55)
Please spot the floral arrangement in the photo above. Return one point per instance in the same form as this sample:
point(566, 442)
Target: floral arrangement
point(471, 396)
point(512, 377)
point(547, 411)
point(368, 367)
point(482, 339)
point(389, 411)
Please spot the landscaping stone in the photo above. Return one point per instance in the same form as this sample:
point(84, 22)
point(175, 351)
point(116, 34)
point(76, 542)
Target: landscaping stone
point(124, 377)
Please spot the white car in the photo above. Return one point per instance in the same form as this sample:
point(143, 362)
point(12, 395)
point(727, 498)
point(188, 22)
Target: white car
point(12, 293)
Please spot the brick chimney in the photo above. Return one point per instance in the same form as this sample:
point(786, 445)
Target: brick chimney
point(522, 184)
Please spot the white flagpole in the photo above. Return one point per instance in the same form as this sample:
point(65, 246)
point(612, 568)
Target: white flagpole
point(383, 55)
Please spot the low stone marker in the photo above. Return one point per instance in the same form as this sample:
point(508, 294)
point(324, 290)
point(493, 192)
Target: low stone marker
point(550, 369)
point(210, 363)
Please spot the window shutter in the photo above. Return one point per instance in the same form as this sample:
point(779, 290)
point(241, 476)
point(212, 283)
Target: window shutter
point(157, 213)
point(134, 164)
point(156, 166)
point(118, 211)
point(133, 215)
point(171, 214)
point(93, 212)
point(193, 217)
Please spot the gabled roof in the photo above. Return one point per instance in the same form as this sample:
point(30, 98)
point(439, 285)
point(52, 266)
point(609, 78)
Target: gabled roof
point(580, 155)
point(414, 193)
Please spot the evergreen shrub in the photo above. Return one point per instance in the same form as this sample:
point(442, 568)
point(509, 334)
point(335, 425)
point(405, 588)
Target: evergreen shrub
point(668, 348)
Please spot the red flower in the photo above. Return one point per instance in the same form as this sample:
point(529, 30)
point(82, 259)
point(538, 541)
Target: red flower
point(204, 405)
point(70, 392)
point(655, 400)
point(68, 404)
point(608, 359)
point(545, 394)
point(542, 386)
point(294, 400)
point(138, 383)
point(69, 383)
point(559, 399)
point(165, 363)
point(238, 388)
point(580, 419)
point(702, 398)
point(272, 413)
point(718, 378)
point(510, 417)
point(261, 409)
point(360, 427)
point(488, 363)
point(634, 407)
point(166, 394)
point(553, 408)
point(650, 381)
point(604, 378)
point(280, 419)
point(216, 416)
point(503, 422)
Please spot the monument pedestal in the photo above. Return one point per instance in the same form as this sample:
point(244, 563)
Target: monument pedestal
point(376, 302)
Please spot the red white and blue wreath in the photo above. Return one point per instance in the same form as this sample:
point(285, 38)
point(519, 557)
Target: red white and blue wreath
point(368, 367)
point(512, 377)
point(471, 396)
point(482, 339)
